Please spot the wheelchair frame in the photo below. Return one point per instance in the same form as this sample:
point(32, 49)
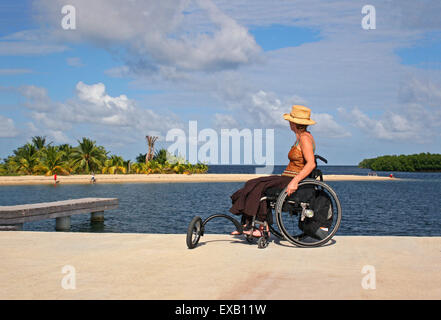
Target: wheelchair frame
point(196, 227)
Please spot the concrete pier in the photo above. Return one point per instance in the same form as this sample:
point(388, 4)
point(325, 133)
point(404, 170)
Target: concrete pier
point(13, 217)
point(51, 265)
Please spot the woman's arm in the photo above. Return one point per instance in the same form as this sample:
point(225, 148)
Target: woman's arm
point(308, 153)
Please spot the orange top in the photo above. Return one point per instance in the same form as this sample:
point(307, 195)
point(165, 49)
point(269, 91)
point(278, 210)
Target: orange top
point(296, 160)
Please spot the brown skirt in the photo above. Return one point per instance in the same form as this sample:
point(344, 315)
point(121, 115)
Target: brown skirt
point(247, 199)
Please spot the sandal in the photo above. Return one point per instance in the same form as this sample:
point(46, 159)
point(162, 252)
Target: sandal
point(256, 232)
point(236, 233)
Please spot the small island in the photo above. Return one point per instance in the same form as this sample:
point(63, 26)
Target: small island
point(411, 163)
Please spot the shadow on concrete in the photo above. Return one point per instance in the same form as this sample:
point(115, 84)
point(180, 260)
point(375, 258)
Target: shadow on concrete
point(240, 239)
point(288, 244)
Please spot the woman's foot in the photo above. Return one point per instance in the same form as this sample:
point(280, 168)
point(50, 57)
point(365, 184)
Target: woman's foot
point(236, 232)
point(256, 232)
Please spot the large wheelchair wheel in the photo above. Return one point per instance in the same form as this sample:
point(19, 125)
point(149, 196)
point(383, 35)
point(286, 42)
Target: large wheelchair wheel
point(194, 232)
point(295, 216)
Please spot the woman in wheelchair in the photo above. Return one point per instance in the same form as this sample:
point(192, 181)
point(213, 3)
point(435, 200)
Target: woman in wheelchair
point(246, 201)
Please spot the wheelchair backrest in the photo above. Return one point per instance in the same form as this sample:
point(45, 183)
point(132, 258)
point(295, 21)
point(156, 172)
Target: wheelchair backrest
point(316, 173)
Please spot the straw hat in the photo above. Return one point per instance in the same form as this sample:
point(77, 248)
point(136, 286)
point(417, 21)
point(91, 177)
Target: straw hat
point(300, 115)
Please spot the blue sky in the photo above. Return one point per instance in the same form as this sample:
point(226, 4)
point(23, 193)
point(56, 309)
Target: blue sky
point(149, 67)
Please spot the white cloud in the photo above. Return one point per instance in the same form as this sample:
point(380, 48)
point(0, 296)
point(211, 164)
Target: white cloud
point(94, 107)
point(36, 98)
point(265, 110)
point(95, 95)
point(414, 124)
point(59, 136)
point(225, 121)
point(153, 34)
point(390, 126)
point(7, 128)
point(420, 91)
point(29, 43)
point(326, 126)
point(415, 118)
point(259, 109)
point(118, 72)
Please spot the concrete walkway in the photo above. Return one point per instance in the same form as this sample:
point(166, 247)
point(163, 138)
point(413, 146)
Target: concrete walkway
point(153, 266)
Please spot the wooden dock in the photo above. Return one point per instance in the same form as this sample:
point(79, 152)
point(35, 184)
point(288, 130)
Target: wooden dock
point(13, 217)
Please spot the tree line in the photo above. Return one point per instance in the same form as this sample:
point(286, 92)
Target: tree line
point(39, 157)
point(411, 163)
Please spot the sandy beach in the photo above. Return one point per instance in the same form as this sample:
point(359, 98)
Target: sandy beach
point(158, 178)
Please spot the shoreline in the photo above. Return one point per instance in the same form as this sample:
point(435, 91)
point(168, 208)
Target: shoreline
point(162, 178)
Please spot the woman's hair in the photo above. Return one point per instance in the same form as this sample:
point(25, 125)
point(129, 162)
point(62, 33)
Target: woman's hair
point(301, 127)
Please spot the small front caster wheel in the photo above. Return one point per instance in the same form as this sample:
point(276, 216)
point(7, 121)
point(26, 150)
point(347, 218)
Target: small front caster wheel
point(194, 232)
point(262, 243)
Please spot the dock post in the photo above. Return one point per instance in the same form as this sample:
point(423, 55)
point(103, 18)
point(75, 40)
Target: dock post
point(97, 216)
point(62, 223)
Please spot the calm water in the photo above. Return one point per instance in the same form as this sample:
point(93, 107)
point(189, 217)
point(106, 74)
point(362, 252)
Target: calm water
point(408, 207)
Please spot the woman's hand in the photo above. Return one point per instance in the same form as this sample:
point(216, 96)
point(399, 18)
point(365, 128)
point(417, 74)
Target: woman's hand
point(292, 187)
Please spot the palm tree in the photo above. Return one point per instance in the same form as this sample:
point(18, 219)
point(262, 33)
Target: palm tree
point(66, 149)
point(3, 169)
point(11, 165)
point(151, 143)
point(141, 158)
point(128, 165)
point(139, 168)
point(161, 156)
point(52, 162)
point(88, 157)
point(154, 167)
point(39, 142)
point(26, 159)
point(114, 165)
point(66, 157)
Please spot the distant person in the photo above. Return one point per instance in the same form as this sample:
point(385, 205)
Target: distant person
point(93, 180)
point(55, 179)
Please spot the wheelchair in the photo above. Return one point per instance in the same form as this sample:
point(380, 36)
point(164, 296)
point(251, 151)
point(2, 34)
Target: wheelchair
point(309, 217)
